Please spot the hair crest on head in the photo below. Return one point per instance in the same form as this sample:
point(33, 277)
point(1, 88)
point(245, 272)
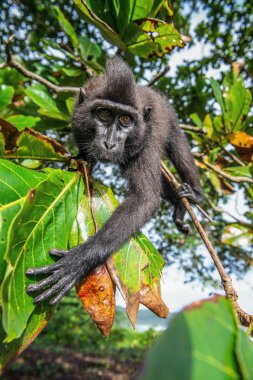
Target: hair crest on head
point(121, 86)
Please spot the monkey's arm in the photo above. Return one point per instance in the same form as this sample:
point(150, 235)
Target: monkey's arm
point(178, 150)
point(76, 263)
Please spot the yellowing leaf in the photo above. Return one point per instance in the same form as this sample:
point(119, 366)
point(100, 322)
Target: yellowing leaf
point(243, 143)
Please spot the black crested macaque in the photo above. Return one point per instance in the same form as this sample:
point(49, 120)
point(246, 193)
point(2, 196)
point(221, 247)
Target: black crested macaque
point(116, 120)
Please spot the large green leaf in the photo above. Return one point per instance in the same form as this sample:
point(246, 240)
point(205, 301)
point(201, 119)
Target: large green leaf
point(23, 121)
point(135, 10)
point(44, 222)
point(131, 25)
point(244, 353)
point(240, 103)
point(6, 94)
point(217, 93)
point(153, 38)
point(67, 27)
point(91, 12)
point(15, 182)
point(88, 50)
point(200, 343)
point(48, 107)
point(29, 144)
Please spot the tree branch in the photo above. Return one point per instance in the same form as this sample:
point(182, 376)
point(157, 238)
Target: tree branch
point(222, 211)
point(10, 61)
point(231, 155)
point(224, 174)
point(191, 128)
point(231, 294)
point(159, 76)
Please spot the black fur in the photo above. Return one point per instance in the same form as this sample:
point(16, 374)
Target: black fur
point(138, 147)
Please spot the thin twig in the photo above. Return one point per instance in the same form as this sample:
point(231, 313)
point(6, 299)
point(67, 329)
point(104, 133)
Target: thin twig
point(159, 76)
point(10, 61)
point(191, 128)
point(234, 158)
point(226, 281)
point(226, 175)
point(222, 211)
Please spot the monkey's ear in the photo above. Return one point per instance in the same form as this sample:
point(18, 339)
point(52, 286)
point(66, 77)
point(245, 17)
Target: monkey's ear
point(146, 113)
point(82, 95)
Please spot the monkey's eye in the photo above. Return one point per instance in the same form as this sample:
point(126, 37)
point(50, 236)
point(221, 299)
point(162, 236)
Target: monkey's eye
point(125, 119)
point(104, 113)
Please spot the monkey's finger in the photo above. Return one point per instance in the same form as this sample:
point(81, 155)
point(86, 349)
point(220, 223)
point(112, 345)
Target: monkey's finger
point(41, 284)
point(42, 270)
point(48, 293)
point(58, 253)
point(62, 293)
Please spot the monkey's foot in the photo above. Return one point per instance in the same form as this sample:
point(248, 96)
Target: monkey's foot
point(183, 227)
point(185, 191)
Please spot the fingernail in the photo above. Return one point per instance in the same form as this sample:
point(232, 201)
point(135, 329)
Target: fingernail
point(30, 271)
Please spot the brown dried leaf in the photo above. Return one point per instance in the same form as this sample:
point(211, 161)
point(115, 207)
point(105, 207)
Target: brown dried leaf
point(97, 294)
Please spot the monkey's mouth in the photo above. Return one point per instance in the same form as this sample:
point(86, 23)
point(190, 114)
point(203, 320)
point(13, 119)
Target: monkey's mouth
point(104, 156)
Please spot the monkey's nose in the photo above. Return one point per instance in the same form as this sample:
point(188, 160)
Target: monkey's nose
point(108, 145)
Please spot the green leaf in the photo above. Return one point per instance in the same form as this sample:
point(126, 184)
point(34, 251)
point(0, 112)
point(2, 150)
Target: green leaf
point(131, 25)
point(22, 121)
point(6, 94)
point(153, 38)
point(15, 182)
point(196, 119)
point(244, 353)
point(218, 124)
point(238, 171)
point(199, 344)
point(208, 125)
point(44, 222)
point(135, 10)
point(70, 104)
point(29, 144)
point(43, 99)
point(94, 13)
point(88, 50)
point(217, 93)
point(240, 104)
point(67, 27)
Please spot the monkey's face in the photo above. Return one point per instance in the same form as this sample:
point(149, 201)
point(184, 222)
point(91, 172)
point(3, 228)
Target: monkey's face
point(113, 126)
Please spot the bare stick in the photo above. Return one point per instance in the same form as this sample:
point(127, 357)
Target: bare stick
point(10, 61)
point(226, 175)
point(159, 75)
point(192, 128)
point(226, 281)
point(222, 211)
point(234, 158)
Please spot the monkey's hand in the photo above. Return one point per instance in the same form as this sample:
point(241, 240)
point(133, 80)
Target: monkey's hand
point(73, 265)
point(184, 191)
